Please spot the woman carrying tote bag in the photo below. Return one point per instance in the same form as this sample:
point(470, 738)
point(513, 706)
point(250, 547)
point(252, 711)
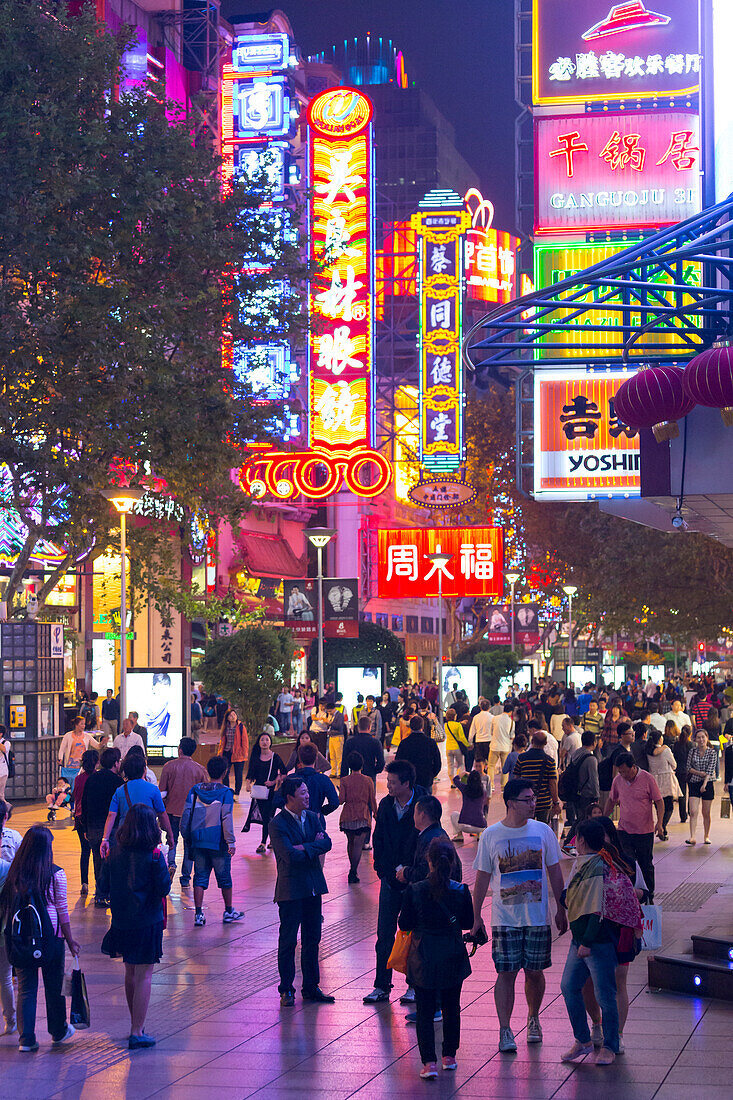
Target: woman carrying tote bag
point(265, 774)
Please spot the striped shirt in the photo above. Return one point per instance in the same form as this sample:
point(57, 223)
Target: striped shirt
point(57, 903)
point(536, 768)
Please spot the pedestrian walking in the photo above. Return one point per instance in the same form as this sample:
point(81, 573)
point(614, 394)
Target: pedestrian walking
point(471, 818)
point(336, 737)
point(304, 738)
point(519, 745)
point(422, 752)
point(234, 747)
point(479, 733)
point(36, 885)
point(456, 744)
point(637, 795)
point(6, 759)
point(110, 714)
point(517, 857)
point(298, 841)
point(176, 780)
point(368, 747)
point(264, 776)
point(579, 781)
point(7, 993)
point(359, 801)
point(502, 731)
point(139, 883)
point(134, 791)
point(701, 768)
point(207, 826)
point(95, 801)
point(681, 751)
point(535, 768)
point(435, 910)
point(89, 761)
point(662, 766)
point(73, 745)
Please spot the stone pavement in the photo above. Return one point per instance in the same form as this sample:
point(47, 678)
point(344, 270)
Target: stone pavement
point(221, 1033)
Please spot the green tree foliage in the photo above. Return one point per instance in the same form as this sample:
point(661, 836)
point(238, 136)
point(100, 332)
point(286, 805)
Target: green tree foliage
point(374, 646)
point(495, 663)
point(119, 261)
point(248, 669)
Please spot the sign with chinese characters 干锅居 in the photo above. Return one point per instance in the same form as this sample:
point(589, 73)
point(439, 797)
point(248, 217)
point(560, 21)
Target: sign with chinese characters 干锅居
point(475, 567)
point(634, 169)
point(586, 51)
point(582, 449)
point(440, 232)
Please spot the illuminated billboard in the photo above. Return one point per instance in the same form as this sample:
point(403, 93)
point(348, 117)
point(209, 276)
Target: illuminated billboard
point(586, 51)
point(633, 169)
point(555, 262)
point(261, 51)
point(439, 239)
point(581, 448)
point(490, 255)
point(475, 567)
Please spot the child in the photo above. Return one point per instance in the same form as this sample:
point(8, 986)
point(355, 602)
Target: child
point(59, 796)
point(472, 816)
point(359, 800)
point(207, 827)
point(519, 745)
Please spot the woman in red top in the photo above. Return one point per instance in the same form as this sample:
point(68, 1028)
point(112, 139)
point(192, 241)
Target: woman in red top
point(89, 761)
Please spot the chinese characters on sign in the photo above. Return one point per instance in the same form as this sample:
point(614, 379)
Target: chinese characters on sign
point(634, 169)
point(582, 449)
point(340, 156)
point(475, 567)
point(526, 624)
point(439, 237)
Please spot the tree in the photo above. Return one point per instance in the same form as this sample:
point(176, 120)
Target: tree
point(374, 646)
point(495, 663)
point(248, 669)
point(122, 264)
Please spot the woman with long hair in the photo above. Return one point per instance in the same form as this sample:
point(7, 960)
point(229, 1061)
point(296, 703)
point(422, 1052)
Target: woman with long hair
point(435, 911)
point(304, 738)
point(359, 801)
point(34, 879)
point(680, 752)
point(234, 747)
point(139, 881)
point(471, 818)
point(265, 773)
point(701, 768)
point(89, 761)
point(662, 765)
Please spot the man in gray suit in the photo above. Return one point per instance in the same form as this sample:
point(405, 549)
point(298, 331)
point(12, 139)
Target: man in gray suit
point(298, 840)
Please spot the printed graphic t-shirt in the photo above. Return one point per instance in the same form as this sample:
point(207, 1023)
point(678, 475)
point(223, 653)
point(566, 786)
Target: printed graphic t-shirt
point(516, 859)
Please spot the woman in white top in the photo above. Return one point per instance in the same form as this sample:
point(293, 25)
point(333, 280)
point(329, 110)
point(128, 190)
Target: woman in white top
point(5, 748)
point(663, 767)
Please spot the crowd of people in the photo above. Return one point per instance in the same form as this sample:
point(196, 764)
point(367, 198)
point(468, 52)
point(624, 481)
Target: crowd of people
point(564, 763)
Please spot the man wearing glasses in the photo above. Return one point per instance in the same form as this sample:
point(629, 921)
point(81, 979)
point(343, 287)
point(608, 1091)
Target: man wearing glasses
point(516, 857)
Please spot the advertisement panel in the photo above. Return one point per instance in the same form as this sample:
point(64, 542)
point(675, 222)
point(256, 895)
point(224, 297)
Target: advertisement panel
point(632, 169)
point(461, 678)
point(353, 680)
point(300, 607)
point(582, 449)
point(341, 607)
point(526, 624)
point(161, 698)
point(589, 51)
point(555, 262)
point(491, 265)
point(475, 567)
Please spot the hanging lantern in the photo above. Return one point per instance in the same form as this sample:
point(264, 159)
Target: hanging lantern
point(708, 379)
point(654, 398)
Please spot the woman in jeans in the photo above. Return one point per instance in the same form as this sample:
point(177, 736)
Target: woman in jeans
point(435, 911)
point(701, 767)
point(34, 875)
point(139, 881)
point(234, 747)
point(681, 751)
point(89, 762)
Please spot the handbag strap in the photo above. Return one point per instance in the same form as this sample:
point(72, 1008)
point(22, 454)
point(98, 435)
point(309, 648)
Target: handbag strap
point(127, 796)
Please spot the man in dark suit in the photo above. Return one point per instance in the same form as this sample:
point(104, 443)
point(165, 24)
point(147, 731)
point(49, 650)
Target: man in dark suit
point(298, 840)
point(422, 752)
point(368, 747)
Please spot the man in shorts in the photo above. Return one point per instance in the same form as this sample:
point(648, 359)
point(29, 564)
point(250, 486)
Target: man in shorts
point(517, 857)
point(207, 827)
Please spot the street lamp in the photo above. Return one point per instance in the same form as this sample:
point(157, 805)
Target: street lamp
point(320, 538)
point(511, 579)
point(570, 590)
point(440, 560)
point(124, 501)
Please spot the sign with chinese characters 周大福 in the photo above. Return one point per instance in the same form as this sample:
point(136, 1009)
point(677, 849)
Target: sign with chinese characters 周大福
point(440, 230)
point(628, 170)
point(582, 449)
point(341, 295)
point(475, 567)
point(586, 51)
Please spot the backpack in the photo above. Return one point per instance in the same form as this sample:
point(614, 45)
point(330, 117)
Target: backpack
point(87, 713)
point(567, 784)
point(29, 934)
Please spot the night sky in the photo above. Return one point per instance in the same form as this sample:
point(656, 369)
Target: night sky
point(459, 51)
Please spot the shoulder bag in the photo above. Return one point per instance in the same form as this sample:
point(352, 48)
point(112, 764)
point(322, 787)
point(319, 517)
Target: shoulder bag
point(259, 790)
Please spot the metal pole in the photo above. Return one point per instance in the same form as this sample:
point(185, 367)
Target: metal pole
point(321, 685)
point(570, 639)
point(123, 618)
point(440, 643)
point(512, 613)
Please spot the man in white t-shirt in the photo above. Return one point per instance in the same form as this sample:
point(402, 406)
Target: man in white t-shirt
point(657, 720)
point(125, 740)
point(480, 732)
point(517, 857)
point(285, 709)
point(677, 715)
point(502, 730)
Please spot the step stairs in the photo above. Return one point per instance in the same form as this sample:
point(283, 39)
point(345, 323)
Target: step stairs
point(706, 971)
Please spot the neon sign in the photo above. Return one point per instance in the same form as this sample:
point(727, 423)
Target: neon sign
point(439, 234)
point(490, 254)
point(635, 169)
point(474, 568)
point(261, 51)
point(314, 474)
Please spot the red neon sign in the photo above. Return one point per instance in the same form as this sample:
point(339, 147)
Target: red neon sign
point(475, 567)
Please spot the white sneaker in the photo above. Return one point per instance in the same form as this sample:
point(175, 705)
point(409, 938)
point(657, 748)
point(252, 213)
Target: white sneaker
point(534, 1031)
point(621, 1047)
point(68, 1035)
point(507, 1042)
point(596, 1035)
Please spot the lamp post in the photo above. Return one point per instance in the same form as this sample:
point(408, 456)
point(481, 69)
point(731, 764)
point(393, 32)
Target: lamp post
point(320, 538)
point(440, 560)
point(124, 501)
point(512, 578)
point(570, 590)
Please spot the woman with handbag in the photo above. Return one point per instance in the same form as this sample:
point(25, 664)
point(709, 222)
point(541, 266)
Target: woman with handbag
point(701, 767)
point(234, 747)
point(435, 911)
point(265, 774)
point(663, 766)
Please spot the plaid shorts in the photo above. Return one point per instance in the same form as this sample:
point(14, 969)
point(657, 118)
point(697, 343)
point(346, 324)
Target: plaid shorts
point(521, 948)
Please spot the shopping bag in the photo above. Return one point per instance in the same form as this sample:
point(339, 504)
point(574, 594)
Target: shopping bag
point(651, 939)
point(401, 949)
point(725, 806)
point(79, 1010)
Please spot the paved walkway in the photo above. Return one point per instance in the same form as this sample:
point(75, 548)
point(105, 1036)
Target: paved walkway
point(221, 1033)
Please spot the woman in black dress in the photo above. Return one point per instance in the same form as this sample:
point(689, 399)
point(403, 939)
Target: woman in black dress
point(265, 773)
point(140, 880)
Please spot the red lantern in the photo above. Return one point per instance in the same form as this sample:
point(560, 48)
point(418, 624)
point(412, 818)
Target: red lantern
point(708, 379)
point(654, 398)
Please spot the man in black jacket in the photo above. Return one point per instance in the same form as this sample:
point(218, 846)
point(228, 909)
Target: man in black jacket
point(422, 752)
point(98, 791)
point(298, 840)
point(368, 747)
point(323, 798)
point(395, 839)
